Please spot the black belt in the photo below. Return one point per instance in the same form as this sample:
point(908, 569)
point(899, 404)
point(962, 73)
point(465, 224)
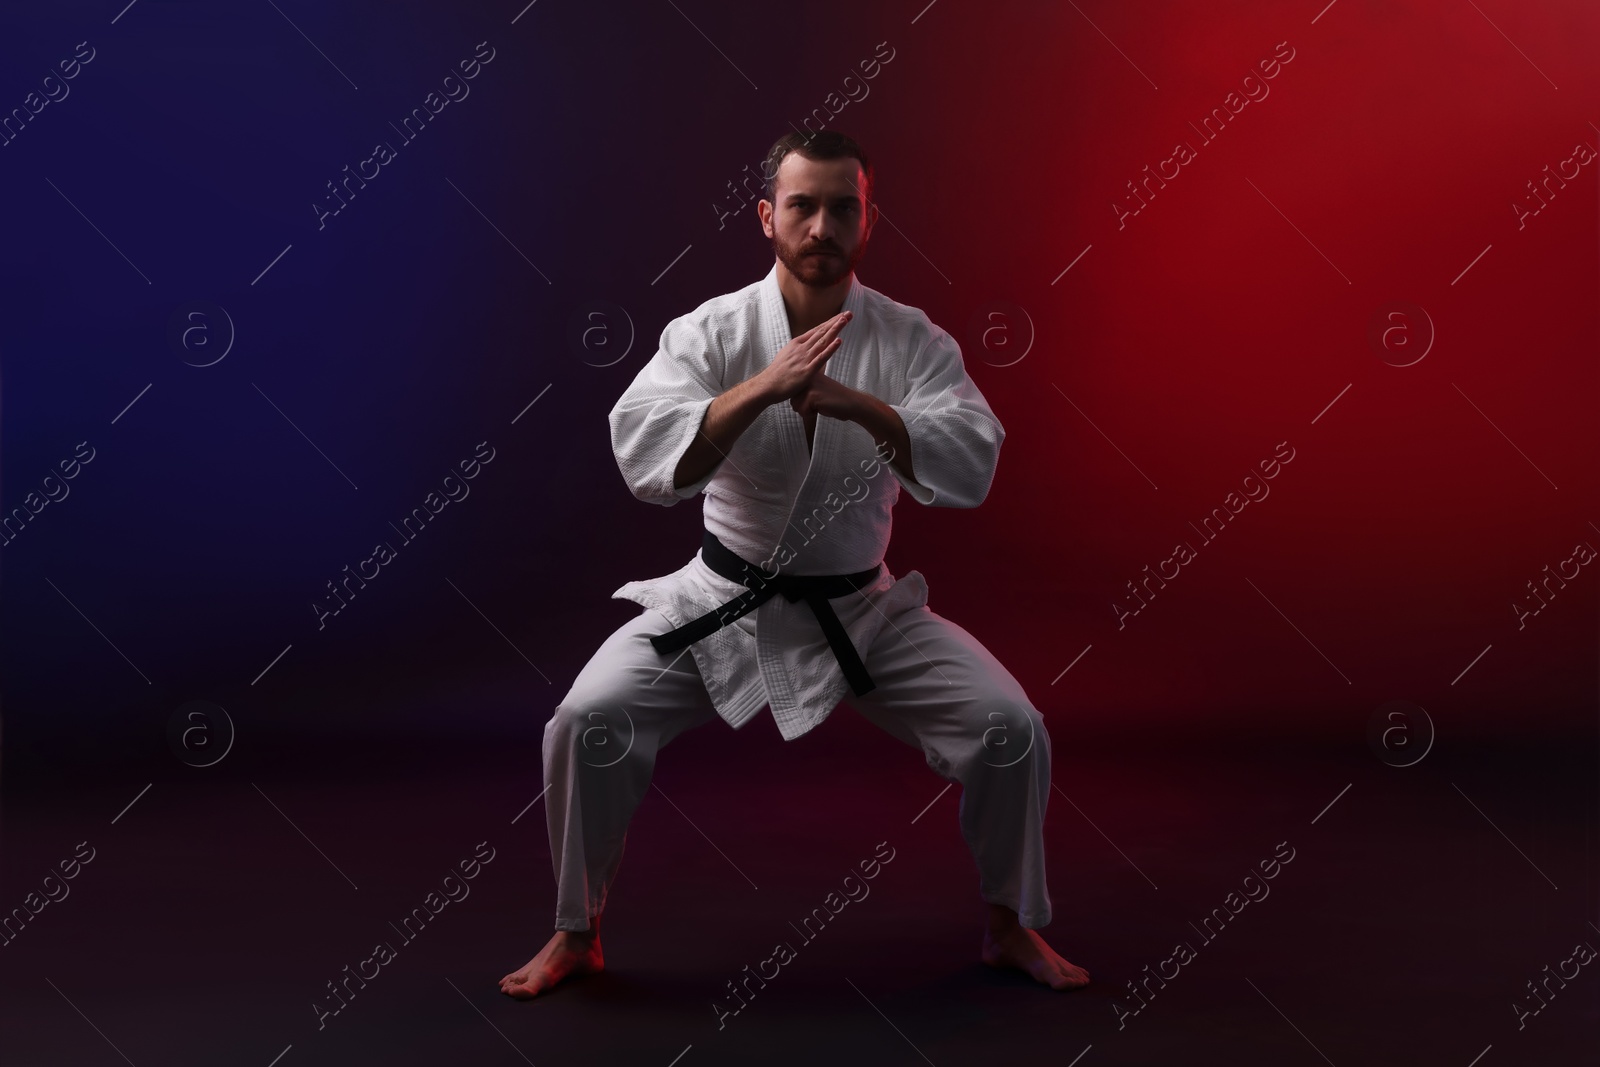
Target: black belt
point(814, 589)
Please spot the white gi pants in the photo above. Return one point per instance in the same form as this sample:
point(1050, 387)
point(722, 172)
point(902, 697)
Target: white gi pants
point(937, 689)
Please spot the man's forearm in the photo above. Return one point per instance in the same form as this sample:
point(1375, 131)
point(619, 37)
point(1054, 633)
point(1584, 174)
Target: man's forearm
point(729, 415)
point(884, 424)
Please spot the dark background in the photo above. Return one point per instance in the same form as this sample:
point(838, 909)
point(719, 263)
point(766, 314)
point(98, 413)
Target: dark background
point(590, 168)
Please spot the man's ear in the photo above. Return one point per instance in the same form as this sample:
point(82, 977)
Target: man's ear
point(872, 216)
point(764, 212)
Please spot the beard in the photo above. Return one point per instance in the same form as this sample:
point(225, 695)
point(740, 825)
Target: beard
point(817, 272)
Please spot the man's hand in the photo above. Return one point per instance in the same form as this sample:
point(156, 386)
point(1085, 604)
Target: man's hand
point(828, 397)
point(731, 413)
point(791, 371)
point(835, 400)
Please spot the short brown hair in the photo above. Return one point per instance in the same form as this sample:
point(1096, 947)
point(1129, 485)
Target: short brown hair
point(824, 144)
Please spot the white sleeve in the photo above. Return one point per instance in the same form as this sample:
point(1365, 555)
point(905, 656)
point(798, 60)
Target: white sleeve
point(656, 418)
point(955, 436)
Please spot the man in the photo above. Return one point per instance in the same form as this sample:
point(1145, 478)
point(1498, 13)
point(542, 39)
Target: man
point(800, 405)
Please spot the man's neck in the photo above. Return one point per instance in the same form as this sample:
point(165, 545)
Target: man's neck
point(808, 307)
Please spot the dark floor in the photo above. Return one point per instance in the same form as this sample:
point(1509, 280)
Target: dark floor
point(1404, 929)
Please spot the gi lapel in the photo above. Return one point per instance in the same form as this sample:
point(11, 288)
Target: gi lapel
point(840, 367)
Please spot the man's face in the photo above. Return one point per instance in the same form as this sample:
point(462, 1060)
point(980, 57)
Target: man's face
point(820, 224)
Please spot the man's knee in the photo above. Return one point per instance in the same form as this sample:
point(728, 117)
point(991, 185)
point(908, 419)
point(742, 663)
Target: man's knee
point(596, 731)
point(1011, 734)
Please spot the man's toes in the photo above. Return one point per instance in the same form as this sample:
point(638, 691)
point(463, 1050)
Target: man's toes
point(521, 990)
point(1060, 974)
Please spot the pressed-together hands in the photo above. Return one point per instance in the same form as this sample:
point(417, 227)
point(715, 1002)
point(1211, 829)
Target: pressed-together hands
point(796, 373)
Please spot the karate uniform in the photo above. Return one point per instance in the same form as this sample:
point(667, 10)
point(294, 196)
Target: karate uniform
point(794, 511)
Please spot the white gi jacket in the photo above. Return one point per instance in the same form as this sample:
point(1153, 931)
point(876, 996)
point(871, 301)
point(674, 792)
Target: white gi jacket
point(773, 504)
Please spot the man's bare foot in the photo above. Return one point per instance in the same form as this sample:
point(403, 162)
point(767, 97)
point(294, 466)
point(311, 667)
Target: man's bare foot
point(1009, 944)
point(567, 952)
